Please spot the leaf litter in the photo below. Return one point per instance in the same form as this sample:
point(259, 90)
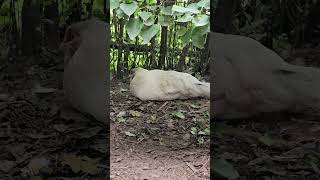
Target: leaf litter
point(153, 140)
point(41, 136)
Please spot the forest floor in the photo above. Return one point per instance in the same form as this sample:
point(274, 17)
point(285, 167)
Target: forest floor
point(272, 146)
point(40, 136)
point(158, 140)
point(43, 139)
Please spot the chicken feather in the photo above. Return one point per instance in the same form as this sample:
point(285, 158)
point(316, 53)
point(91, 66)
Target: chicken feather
point(159, 85)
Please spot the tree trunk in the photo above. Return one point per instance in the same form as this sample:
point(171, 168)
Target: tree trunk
point(120, 40)
point(51, 27)
point(164, 40)
point(30, 35)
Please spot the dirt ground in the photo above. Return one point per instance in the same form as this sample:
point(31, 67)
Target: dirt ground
point(275, 146)
point(153, 140)
point(41, 138)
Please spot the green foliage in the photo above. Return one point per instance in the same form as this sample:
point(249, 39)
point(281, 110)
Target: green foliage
point(144, 19)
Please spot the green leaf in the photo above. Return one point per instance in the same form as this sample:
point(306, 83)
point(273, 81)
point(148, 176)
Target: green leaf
point(166, 10)
point(149, 21)
point(201, 20)
point(129, 134)
point(121, 120)
point(204, 4)
point(152, 8)
point(207, 131)
point(179, 9)
point(200, 140)
point(267, 140)
point(182, 31)
point(198, 40)
point(199, 35)
point(193, 8)
point(185, 18)
point(84, 164)
point(151, 2)
point(186, 38)
point(164, 20)
point(135, 113)
point(120, 13)
point(129, 9)
point(150, 32)
point(193, 130)
point(134, 26)
point(179, 114)
point(114, 4)
point(189, 9)
point(145, 15)
point(224, 169)
point(201, 30)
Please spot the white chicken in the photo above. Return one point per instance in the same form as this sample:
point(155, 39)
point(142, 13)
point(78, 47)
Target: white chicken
point(159, 85)
point(249, 78)
point(85, 72)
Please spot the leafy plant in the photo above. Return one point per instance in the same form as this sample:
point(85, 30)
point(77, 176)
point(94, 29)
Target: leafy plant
point(144, 19)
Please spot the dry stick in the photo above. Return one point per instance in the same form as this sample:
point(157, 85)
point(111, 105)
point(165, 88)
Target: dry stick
point(203, 166)
point(164, 104)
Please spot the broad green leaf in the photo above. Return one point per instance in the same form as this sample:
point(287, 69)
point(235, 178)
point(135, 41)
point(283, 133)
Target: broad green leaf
point(164, 20)
point(182, 31)
point(129, 9)
point(179, 9)
point(224, 169)
point(186, 38)
point(149, 21)
point(114, 4)
point(204, 4)
point(185, 18)
point(120, 13)
point(198, 40)
point(201, 30)
point(193, 8)
point(201, 20)
point(149, 33)
point(145, 15)
point(134, 26)
point(166, 10)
